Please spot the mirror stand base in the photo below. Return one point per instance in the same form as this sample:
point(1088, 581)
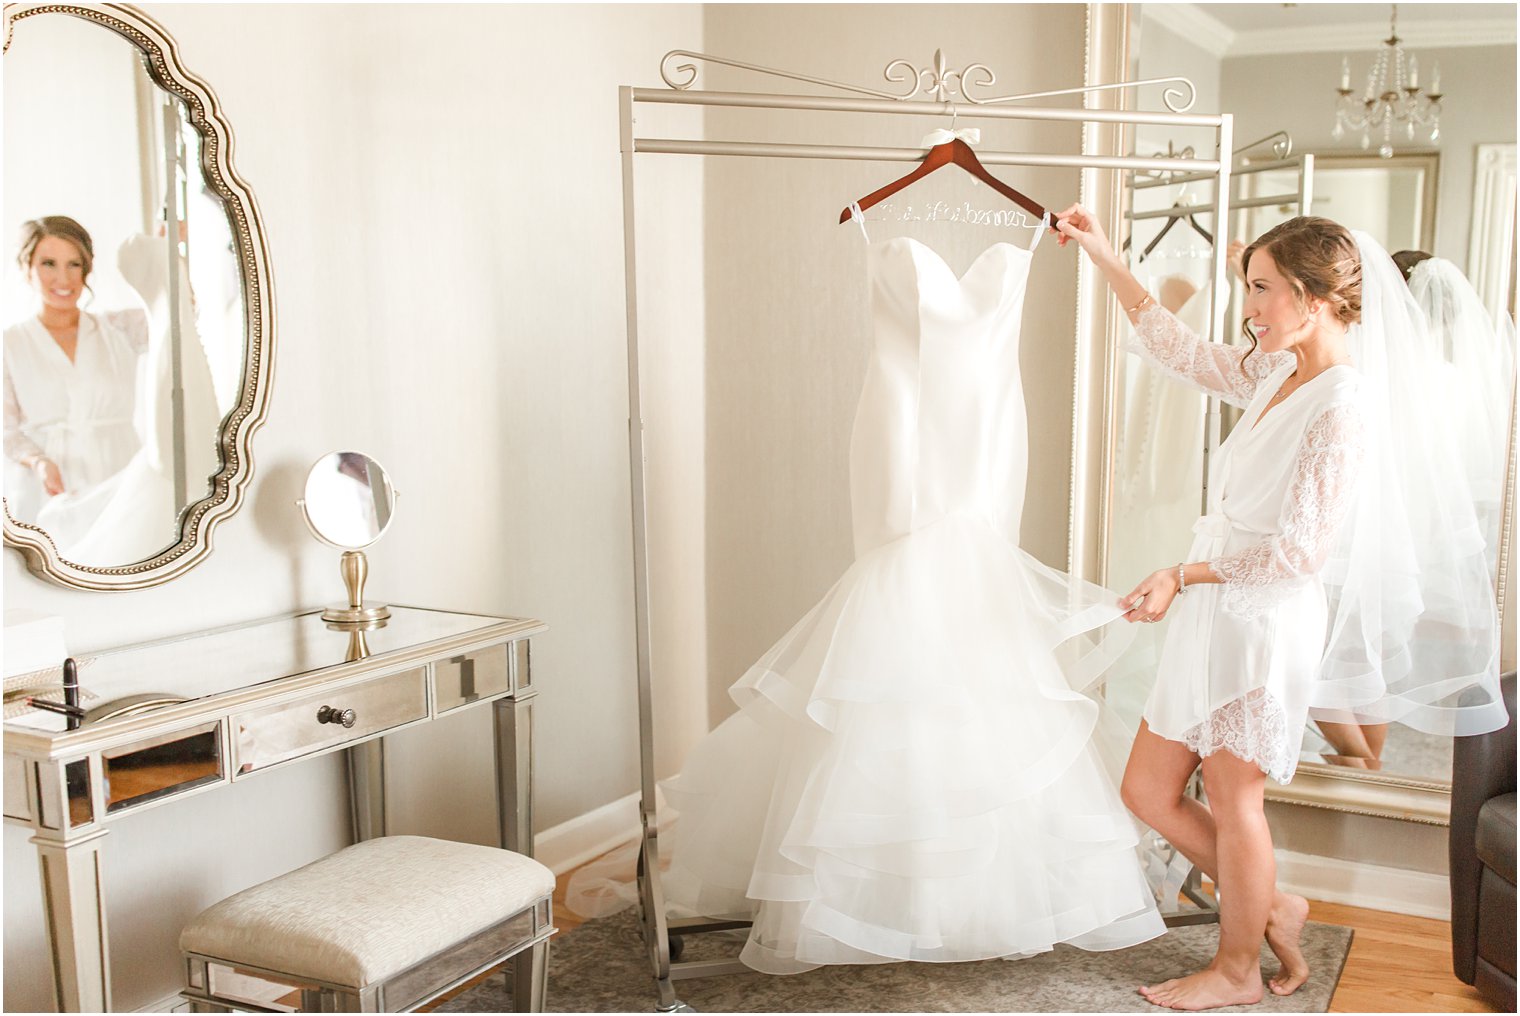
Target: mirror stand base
point(355, 568)
point(356, 615)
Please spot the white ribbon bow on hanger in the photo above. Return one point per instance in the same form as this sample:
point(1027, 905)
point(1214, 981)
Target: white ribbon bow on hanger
point(942, 135)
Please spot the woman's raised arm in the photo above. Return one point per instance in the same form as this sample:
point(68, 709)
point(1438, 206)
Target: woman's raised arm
point(1212, 367)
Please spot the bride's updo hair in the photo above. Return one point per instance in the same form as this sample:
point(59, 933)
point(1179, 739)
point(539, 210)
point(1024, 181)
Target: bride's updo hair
point(35, 231)
point(1319, 259)
point(1409, 260)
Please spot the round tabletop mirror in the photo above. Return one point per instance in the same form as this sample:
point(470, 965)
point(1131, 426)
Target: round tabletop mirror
point(349, 500)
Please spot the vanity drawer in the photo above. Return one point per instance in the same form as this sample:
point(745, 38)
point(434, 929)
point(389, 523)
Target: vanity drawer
point(265, 737)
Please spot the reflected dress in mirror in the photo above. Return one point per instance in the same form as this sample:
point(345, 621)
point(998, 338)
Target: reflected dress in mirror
point(111, 416)
point(914, 771)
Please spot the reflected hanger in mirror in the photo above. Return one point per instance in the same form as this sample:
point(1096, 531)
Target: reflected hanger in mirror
point(1170, 222)
point(955, 152)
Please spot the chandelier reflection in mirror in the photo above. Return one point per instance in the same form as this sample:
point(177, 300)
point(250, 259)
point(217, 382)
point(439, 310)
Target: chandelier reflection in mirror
point(1392, 98)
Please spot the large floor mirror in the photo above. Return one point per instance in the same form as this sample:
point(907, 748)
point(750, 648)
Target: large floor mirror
point(1289, 160)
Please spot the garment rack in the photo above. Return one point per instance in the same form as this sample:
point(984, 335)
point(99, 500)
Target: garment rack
point(945, 85)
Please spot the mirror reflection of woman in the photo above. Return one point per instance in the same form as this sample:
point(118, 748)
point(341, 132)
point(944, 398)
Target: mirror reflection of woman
point(70, 375)
point(1234, 685)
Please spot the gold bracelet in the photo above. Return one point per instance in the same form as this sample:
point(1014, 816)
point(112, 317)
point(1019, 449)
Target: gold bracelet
point(1145, 302)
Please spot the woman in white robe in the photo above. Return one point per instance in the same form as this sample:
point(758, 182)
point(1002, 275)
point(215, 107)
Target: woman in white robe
point(1240, 659)
point(70, 379)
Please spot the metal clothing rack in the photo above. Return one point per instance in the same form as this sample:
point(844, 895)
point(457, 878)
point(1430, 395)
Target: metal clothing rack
point(944, 85)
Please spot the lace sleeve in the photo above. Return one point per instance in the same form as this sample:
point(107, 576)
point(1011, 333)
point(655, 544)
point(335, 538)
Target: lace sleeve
point(1213, 367)
point(17, 445)
point(1319, 496)
point(133, 323)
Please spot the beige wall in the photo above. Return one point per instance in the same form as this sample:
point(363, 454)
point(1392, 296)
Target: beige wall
point(440, 190)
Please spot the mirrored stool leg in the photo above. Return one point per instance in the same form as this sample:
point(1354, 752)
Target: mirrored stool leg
point(530, 979)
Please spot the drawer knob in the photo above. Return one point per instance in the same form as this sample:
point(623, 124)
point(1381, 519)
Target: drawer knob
point(327, 714)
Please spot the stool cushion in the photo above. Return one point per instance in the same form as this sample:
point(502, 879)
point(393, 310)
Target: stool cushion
point(370, 910)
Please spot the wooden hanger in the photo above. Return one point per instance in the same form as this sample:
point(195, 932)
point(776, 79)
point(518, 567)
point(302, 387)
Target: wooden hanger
point(955, 152)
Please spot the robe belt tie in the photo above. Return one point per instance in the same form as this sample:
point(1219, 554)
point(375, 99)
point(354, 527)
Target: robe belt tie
point(1215, 527)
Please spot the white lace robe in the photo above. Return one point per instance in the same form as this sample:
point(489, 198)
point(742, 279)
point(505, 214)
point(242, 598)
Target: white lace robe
point(1240, 657)
point(79, 413)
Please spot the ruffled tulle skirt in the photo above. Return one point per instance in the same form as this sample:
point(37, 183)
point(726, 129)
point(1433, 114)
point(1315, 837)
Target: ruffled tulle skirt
point(914, 772)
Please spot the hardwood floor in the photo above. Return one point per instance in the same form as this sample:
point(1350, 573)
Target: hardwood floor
point(1397, 963)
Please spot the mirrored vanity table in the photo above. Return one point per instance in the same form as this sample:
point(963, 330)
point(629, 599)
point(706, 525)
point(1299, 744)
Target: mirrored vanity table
point(195, 713)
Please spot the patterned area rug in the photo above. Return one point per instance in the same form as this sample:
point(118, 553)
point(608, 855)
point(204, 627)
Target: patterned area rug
point(600, 967)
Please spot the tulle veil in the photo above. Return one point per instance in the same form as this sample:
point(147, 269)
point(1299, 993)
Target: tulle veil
point(1414, 632)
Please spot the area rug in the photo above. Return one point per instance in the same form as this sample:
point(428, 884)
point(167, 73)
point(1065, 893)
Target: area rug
point(600, 967)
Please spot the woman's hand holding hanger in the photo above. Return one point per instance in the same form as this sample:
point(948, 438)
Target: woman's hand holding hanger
point(1077, 223)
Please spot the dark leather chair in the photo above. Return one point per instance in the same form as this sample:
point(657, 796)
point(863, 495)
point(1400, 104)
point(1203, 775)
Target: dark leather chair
point(1483, 859)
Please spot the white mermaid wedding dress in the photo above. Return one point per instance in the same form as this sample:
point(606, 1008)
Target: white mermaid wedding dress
point(913, 772)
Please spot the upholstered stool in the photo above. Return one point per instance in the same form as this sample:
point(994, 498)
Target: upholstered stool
point(381, 926)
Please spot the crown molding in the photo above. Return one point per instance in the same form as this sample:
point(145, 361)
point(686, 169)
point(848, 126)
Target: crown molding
point(1220, 40)
point(1367, 39)
point(1190, 22)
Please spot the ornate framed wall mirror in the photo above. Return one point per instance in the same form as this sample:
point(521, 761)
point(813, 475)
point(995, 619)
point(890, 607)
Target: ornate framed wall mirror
point(140, 326)
point(1144, 488)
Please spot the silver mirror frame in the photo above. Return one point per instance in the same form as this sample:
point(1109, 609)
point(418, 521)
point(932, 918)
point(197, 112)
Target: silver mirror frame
point(1110, 38)
point(228, 486)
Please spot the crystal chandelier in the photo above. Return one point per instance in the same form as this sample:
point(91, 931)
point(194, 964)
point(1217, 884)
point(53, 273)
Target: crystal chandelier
point(1392, 98)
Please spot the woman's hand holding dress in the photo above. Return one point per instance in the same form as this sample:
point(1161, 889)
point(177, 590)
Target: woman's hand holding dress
point(1152, 598)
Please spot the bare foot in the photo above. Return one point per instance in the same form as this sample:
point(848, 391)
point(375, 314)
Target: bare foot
point(1207, 989)
point(1285, 927)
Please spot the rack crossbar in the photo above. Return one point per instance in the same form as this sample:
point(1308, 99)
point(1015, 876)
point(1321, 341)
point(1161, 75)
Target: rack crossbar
point(963, 110)
point(1258, 202)
point(668, 146)
point(1259, 167)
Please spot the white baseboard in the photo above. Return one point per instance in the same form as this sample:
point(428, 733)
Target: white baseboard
point(1373, 886)
point(571, 844)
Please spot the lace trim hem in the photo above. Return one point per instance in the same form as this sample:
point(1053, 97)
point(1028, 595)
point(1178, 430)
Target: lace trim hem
point(1253, 728)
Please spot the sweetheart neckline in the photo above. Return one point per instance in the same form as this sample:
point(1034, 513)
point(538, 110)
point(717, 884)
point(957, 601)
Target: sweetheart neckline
point(945, 264)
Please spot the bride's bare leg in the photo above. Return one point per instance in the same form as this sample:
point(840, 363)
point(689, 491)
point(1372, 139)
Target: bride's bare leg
point(1155, 781)
point(1247, 873)
point(1376, 735)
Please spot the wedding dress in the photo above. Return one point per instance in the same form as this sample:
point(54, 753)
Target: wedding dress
point(913, 772)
